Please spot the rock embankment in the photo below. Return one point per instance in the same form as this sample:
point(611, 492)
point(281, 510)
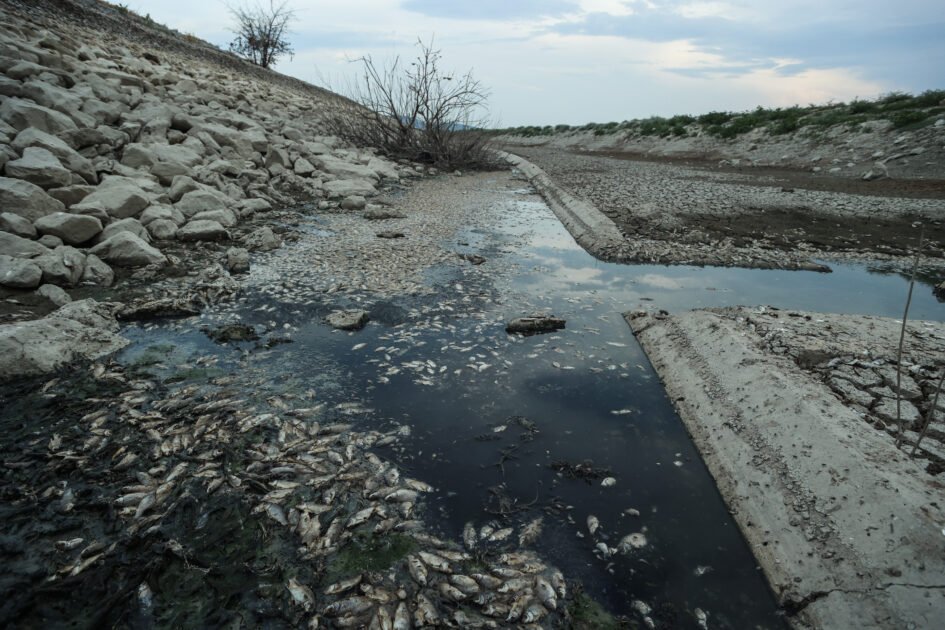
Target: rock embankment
point(115, 152)
point(845, 526)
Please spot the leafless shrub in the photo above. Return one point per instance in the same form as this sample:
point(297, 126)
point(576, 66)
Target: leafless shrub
point(419, 112)
point(261, 32)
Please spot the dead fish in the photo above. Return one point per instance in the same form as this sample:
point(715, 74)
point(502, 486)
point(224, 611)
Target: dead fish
point(417, 571)
point(546, 593)
point(489, 582)
point(608, 482)
point(69, 545)
point(515, 585)
point(518, 607)
point(402, 617)
point(402, 495)
point(485, 531)
point(702, 617)
point(354, 605)
point(506, 572)
point(381, 620)
point(496, 609)
point(450, 592)
point(534, 612)
point(501, 534)
point(465, 583)
point(469, 536)
point(425, 613)
point(301, 594)
point(560, 586)
point(343, 585)
point(592, 524)
point(146, 503)
point(530, 532)
point(419, 486)
point(435, 562)
point(360, 517)
point(636, 540)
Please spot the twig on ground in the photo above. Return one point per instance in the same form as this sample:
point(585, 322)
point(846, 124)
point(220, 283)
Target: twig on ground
point(902, 338)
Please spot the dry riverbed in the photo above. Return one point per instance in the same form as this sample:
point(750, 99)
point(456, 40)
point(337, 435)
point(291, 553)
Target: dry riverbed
point(678, 211)
point(791, 412)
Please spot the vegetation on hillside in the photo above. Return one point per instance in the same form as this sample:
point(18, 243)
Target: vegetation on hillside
point(904, 111)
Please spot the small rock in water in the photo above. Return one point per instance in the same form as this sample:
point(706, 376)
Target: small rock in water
point(534, 324)
point(237, 260)
point(348, 320)
point(390, 234)
point(379, 214)
point(607, 482)
point(475, 259)
point(232, 332)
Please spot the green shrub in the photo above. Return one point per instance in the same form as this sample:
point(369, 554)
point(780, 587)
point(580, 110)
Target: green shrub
point(908, 117)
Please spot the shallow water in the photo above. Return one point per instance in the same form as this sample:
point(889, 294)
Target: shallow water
point(490, 413)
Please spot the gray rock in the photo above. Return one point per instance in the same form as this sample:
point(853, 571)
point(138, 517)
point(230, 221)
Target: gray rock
point(237, 260)
point(120, 200)
point(346, 187)
point(71, 195)
point(162, 229)
point(69, 157)
point(303, 167)
point(180, 186)
point(54, 294)
point(202, 231)
point(161, 212)
point(97, 272)
point(20, 114)
point(19, 273)
point(345, 170)
point(39, 166)
point(138, 155)
point(161, 307)
point(390, 234)
point(353, 202)
point(125, 225)
point(63, 266)
point(348, 320)
point(248, 206)
point(26, 200)
point(224, 217)
point(383, 168)
point(380, 214)
point(71, 228)
point(50, 241)
point(19, 247)
point(197, 201)
point(127, 250)
point(79, 330)
point(261, 240)
point(15, 224)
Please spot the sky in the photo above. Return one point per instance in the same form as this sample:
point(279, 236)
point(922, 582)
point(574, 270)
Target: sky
point(579, 61)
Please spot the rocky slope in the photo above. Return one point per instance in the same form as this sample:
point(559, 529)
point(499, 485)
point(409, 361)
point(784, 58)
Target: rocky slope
point(116, 148)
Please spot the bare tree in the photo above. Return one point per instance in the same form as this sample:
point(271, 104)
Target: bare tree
point(261, 32)
point(418, 111)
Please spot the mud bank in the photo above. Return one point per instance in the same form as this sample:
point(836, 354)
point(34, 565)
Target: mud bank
point(847, 528)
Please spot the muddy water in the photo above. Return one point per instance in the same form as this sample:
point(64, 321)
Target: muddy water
point(499, 421)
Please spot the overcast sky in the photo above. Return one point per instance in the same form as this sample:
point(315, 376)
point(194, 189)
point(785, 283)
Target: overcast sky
point(578, 61)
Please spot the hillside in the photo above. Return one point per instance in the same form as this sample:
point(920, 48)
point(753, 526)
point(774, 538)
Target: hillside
point(897, 135)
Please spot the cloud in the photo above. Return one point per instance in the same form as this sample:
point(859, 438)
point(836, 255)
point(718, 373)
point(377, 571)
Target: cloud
point(490, 9)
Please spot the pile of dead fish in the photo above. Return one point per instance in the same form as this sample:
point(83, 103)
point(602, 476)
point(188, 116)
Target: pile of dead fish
point(320, 482)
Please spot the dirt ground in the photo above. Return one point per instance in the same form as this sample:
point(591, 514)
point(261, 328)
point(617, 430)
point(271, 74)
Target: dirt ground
point(755, 213)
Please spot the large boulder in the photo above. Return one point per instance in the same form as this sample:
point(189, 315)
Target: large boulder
point(119, 200)
point(139, 155)
point(26, 200)
point(19, 273)
point(303, 167)
point(153, 213)
point(127, 250)
point(71, 228)
point(97, 272)
point(39, 166)
point(162, 229)
point(20, 114)
point(345, 170)
point(15, 224)
point(261, 240)
point(202, 230)
point(383, 168)
point(224, 217)
point(54, 294)
point(19, 247)
point(62, 266)
point(79, 330)
point(347, 187)
point(69, 157)
point(202, 200)
point(125, 225)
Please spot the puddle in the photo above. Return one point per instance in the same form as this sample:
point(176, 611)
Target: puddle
point(494, 418)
